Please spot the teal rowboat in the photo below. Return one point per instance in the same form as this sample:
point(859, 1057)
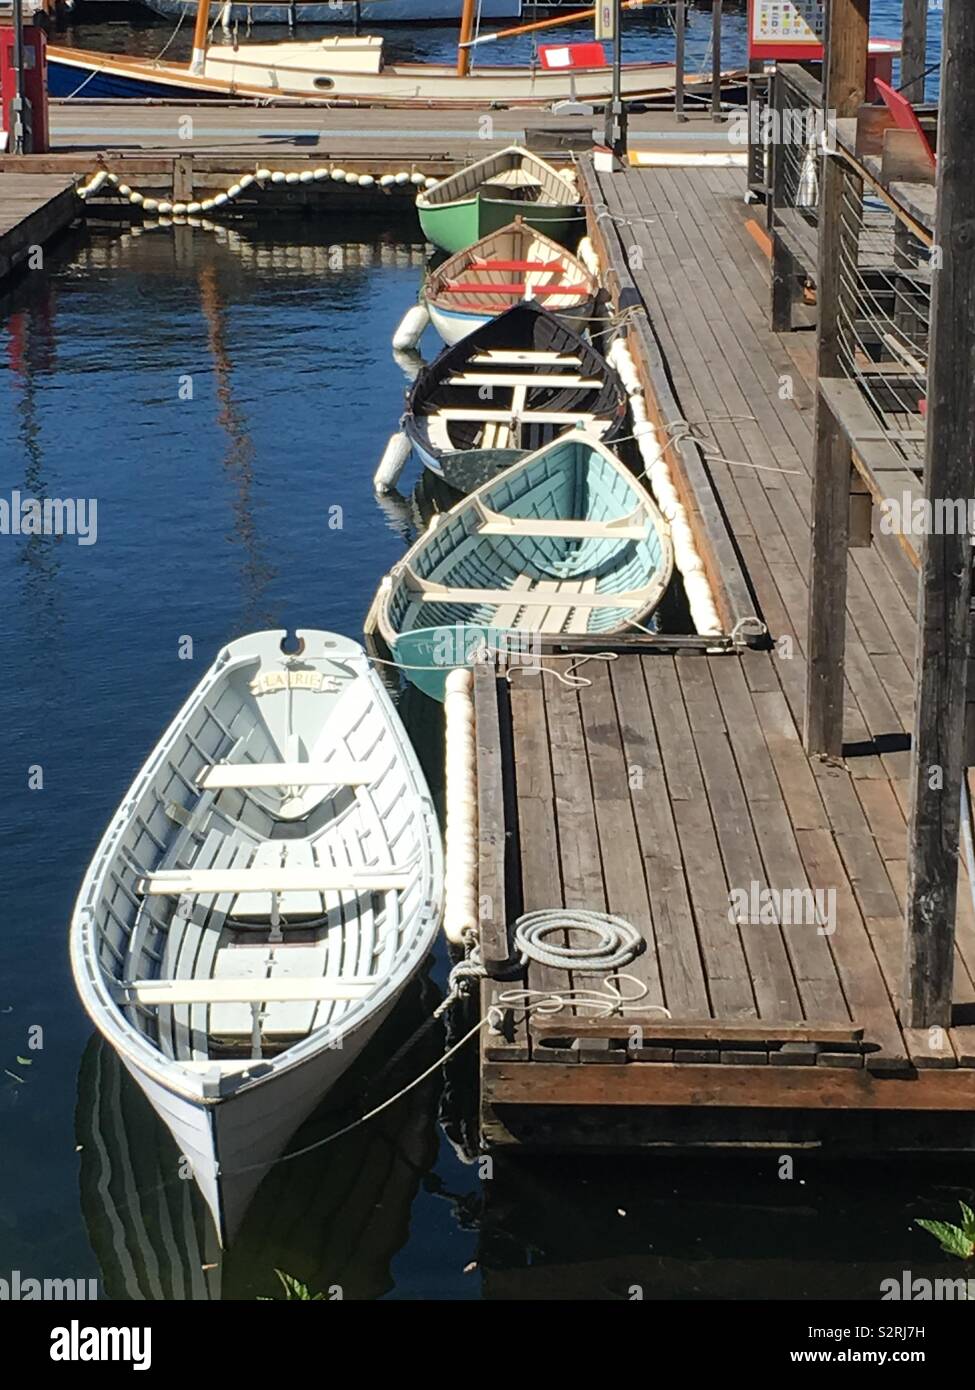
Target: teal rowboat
point(488, 195)
point(565, 542)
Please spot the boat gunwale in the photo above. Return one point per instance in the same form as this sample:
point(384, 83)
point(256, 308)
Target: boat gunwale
point(104, 1009)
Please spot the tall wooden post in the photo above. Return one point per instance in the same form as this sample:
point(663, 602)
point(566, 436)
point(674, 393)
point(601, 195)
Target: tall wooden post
point(716, 16)
point(914, 48)
point(945, 582)
point(680, 45)
point(466, 34)
point(845, 72)
point(198, 59)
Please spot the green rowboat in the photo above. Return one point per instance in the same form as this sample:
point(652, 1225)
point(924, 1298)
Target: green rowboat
point(490, 194)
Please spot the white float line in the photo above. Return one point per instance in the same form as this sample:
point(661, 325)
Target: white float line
point(262, 178)
point(460, 833)
point(687, 558)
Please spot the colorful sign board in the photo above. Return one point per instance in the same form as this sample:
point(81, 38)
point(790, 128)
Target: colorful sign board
point(786, 28)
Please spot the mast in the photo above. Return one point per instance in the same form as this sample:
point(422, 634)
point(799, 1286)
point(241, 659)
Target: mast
point(466, 31)
point(200, 37)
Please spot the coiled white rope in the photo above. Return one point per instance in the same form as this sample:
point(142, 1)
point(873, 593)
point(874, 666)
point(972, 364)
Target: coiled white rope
point(617, 940)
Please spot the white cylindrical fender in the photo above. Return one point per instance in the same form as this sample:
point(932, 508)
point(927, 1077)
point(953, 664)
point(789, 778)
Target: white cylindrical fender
point(411, 328)
point(192, 208)
point(136, 199)
point(460, 895)
point(206, 205)
point(321, 173)
point(587, 254)
point(220, 200)
point(165, 206)
point(402, 177)
point(387, 180)
point(306, 176)
point(338, 175)
point(150, 204)
point(124, 190)
point(392, 463)
point(246, 180)
point(179, 209)
point(351, 177)
point(234, 191)
point(366, 180)
point(430, 182)
point(262, 175)
point(292, 178)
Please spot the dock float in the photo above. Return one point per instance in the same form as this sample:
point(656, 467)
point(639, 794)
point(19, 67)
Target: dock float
point(34, 208)
point(673, 788)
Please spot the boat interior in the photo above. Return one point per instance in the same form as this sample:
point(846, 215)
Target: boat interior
point(513, 264)
point(267, 881)
point(565, 542)
point(518, 382)
point(513, 173)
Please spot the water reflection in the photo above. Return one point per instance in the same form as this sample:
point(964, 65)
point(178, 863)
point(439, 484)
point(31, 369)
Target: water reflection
point(332, 1218)
point(725, 1226)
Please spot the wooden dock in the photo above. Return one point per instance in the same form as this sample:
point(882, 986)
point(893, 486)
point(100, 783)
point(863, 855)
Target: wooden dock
point(674, 785)
point(34, 208)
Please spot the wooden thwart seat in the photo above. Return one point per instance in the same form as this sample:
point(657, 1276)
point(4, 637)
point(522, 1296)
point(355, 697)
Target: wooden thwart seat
point(538, 417)
point(338, 772)
point(514, 356)
point(512, 288)
point(271, 880)
point(628, 527)
point(521, 379)
point(280, 989)
point(429, 592)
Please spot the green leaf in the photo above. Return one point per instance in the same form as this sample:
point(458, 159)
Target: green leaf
point(967, 1220)
point(952, 1239)
point(25, 1061)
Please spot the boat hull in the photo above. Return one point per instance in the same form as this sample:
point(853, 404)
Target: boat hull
point(457, 225)
point(231, 1144)
point(307, 78)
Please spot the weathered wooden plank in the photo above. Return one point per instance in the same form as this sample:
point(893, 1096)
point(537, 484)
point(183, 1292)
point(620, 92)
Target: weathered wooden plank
point(747, 1087)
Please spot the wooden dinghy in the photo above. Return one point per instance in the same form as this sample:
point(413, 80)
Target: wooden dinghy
point(505, 390)
point(565, 542)
point(516, 263)
point(270, 884)
point(489, 194)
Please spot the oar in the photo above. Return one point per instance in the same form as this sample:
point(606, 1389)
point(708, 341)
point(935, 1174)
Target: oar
point(575, 18)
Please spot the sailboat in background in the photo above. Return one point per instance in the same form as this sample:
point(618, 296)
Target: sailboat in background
point(351, 70)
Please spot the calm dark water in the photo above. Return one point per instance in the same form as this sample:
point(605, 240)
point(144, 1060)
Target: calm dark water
point(211, 520)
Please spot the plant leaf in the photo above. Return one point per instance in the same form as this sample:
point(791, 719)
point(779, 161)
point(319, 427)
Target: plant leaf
point(952, 1239)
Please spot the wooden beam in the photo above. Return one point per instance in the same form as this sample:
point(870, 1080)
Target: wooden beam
point(845, 85)
point(946, 559)
point(745, 1087)
point(784, 269)
point(914, 49)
